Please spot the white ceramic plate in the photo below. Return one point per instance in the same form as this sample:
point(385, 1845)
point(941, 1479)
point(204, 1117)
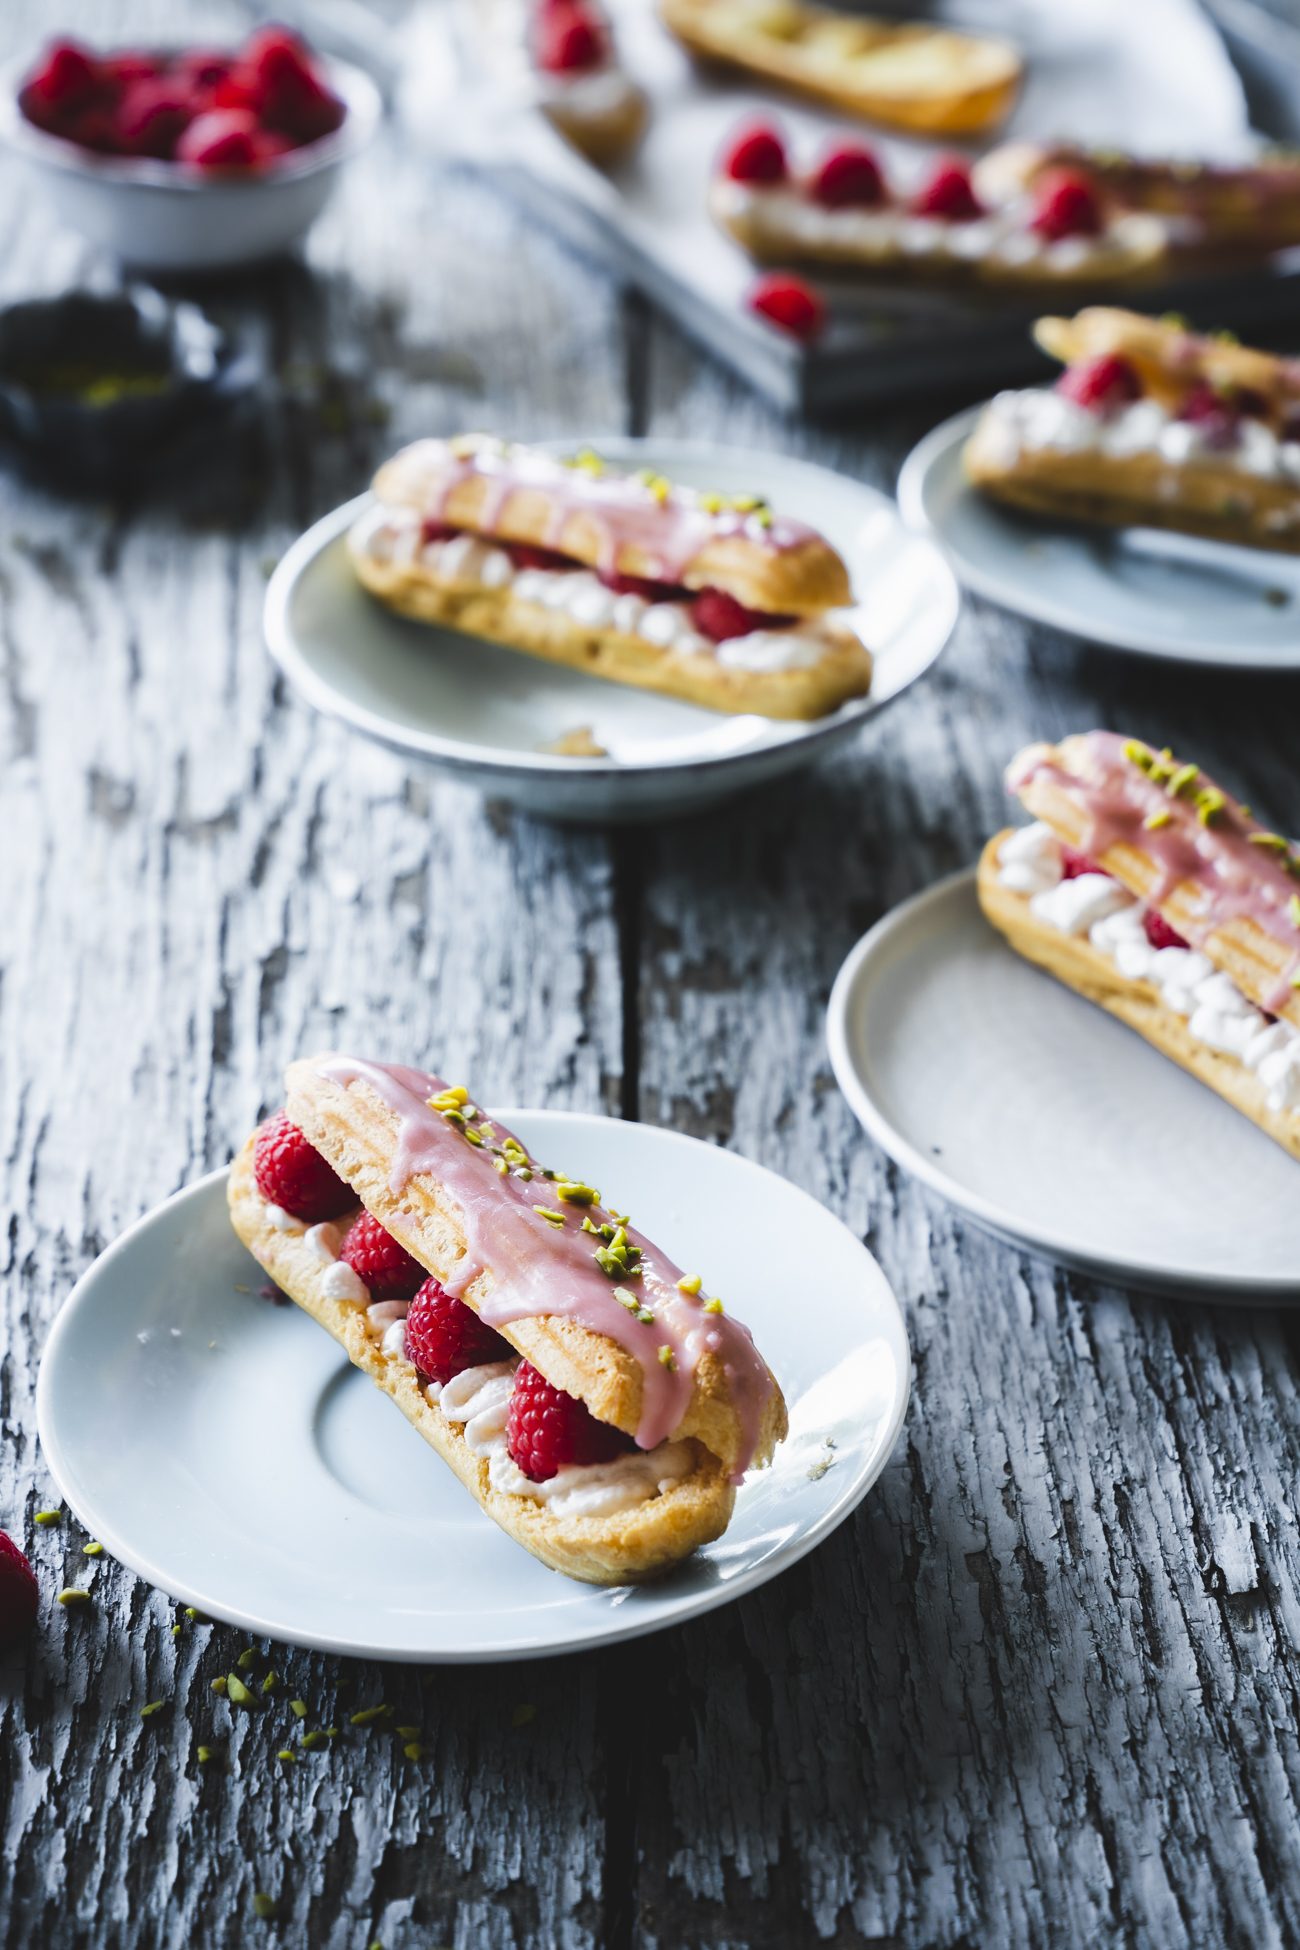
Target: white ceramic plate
point(1140, 589)
point(227, 1451)
point(484, 712)
point(1047, 1121)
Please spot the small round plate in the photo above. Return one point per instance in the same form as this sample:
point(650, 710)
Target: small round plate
point(487, 713)
point(1142, 589)
point(226, 1449)
point(1046, 1120)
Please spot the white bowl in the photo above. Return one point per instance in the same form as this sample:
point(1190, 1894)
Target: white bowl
point(160, 216)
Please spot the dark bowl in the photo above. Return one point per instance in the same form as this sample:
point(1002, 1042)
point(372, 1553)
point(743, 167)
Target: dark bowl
point(96, 391)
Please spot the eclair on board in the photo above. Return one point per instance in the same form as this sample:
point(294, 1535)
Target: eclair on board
point(711, 597)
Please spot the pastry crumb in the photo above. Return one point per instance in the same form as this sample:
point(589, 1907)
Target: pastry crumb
point(580, 742)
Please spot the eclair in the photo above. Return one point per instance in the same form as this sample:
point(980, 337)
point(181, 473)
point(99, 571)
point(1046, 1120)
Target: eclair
point(1067, 229)
point(1144, 886)
point(914, 76)
point(598, 1402)
point(563, 57)
point(1150, 424)
point(710, 597)
point(1250, 208)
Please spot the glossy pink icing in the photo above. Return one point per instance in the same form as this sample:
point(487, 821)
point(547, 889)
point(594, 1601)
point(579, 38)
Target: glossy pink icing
point(1233, 879)
point(627, 515)
point(539, 1268)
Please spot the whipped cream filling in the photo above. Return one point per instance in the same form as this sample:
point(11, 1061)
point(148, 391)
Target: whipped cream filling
point(1001, 236)
point(1046, 421)
point(391, 535)
point(1216, 1011)
point(340, 1282)
point(594, 92)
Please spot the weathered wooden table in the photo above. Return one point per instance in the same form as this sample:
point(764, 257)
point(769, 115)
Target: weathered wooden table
point(1043, 1688)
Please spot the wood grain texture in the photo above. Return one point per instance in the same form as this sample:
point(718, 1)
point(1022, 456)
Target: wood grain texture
point(1042, 1688)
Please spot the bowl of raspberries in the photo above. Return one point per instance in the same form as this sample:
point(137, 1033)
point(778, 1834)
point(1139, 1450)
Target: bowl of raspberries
point(189, 159)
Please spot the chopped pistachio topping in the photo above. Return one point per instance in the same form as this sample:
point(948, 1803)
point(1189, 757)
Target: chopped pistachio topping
point(522, 1171)
point(72, 1596)
point(47, 1517)
point(369, 1714)
point(1210, 804)
point(620, 1218)
point(154, 1706)
point(92, 1549)
point(287, 1753)
point(574, 1193)
point(194, 1615)
point(689, 1283)
point(587, 1226)
point(298, 1707)
point(712, 504)
point(408, 1733)
point(176, 1631)
point(236, 1691)
point(666, 1356)
point(1155, 820)
point(246, 1657)
point(1138, 754)
point(713, 1306)
point(271, 1681)
point(219, 1684)
point(1274, 842)
point(499, 1165)
point(264, 1905)
point(588, 461)
point(413, 1750)
point(645, 1316)
point(454, 1116)
point(626, 1299)
point(450, 1099)
point(549, 1214)
point(472, 1137)
point(203, 1755)
point(1182, 780)
point(316, 1738)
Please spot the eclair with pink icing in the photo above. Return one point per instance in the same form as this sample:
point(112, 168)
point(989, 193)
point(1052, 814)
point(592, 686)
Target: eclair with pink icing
point(1146, 887)
point(632, 577)
point(598, 1402)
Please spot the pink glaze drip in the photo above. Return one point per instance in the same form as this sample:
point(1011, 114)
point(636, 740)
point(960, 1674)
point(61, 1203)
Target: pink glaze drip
point(1233, 879)
point(539, 1268)
point(626, 513)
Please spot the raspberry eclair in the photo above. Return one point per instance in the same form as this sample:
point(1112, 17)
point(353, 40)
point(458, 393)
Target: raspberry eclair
point(912, 76)
point(563, 57)
point(597, 1402)
point(1142, 885)
point(1066, 229)
point(708, 597)
point(1150, 424)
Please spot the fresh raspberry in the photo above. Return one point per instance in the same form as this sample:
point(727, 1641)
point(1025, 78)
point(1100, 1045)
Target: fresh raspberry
point(1101, 384)
point(67, 81)
point(756, 156)
point(379, 1262)
point(203, 68)
point(1159, 933)
point(294, 1176)
point(1066, 205)
point(1073, 863)
point(849, 178)
point(294, 98)
point(1217, 420)
point(18, 1593)
point(789, 303)
point(949, 193)
point(438, 531)
point(569, 41)
point(719, 616)
point(128, 67)
point(525, 556)
point(443, 1335)
point(546, 1429)
point(1249, 402)
point(225, 138)
point(650, 592)
point(151, 118)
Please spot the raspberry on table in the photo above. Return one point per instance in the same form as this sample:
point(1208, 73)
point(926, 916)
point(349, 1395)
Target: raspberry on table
point(379, 1262)
point(545, 1429)
point(293, 1175)
point(790, 303)
point(444, 1336)
point(19, 1593)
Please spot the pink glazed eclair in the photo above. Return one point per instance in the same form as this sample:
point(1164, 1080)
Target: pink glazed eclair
point(598, 1403)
